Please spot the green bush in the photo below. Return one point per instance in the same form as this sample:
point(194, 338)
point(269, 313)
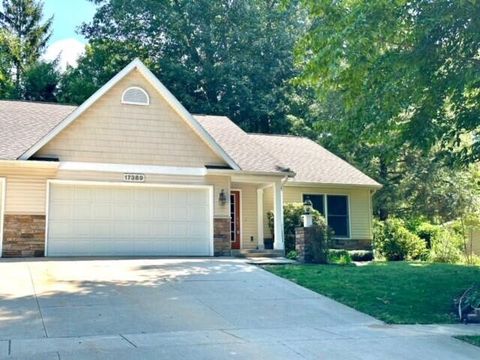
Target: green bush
point(428, 232)
point(292, 255)
point(339, 257)
point(395, 242)
point(446, 247)
point(292, 218)
point(318, 249)
point(361, 255)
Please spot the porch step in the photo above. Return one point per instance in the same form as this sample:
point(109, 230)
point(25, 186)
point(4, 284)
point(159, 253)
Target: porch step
point(250, 253)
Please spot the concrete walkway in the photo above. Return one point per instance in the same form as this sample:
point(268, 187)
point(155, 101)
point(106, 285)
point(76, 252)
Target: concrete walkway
point(192, 309)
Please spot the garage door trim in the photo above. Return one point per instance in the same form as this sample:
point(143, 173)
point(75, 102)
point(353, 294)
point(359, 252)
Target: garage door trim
point(123, 184)
point(3, 192)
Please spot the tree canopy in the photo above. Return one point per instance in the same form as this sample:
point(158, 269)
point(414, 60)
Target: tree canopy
point(23, 36)
point(233, 58)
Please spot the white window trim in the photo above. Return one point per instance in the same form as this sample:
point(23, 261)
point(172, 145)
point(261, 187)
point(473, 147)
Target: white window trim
point(240, 196)
point(115, 183)
point(132, 102)
point(3, 193)
point(349, 237)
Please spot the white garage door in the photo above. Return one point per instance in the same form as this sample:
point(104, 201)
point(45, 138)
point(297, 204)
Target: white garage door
point(98, 220)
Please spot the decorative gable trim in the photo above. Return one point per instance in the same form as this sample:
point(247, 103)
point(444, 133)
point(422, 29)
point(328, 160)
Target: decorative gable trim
point(164, 92)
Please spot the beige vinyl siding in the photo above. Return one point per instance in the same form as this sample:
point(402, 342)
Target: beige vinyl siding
point(112, 132)
point(25, 189)
point(248, 203)
point(26, 186)
point(267, 206)
point(359, 206)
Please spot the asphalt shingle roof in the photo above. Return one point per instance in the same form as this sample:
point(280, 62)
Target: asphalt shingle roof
point(249, 155)
point(311, 162)
point(23, 123)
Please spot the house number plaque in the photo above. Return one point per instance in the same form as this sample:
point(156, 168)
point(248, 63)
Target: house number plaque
point(134, 177)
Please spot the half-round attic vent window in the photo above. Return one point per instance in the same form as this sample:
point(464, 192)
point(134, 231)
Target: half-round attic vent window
point(135, 96)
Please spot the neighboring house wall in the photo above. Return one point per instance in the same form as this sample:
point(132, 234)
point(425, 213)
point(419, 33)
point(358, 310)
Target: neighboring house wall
point(112, 132)
point(359, 206)
point(248, 225)
point(475, 239)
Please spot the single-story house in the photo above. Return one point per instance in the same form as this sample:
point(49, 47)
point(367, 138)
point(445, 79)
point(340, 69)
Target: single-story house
point(132, 172)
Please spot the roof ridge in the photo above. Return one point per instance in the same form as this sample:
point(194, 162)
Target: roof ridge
point(37, 102)
point(279, 135)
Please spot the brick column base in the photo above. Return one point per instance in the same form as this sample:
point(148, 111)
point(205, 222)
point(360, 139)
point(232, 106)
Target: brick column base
point(221, 237)
point(23, 235)
point(302, 239)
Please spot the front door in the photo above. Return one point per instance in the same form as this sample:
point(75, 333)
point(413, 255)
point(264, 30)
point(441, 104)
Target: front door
point(235, 219)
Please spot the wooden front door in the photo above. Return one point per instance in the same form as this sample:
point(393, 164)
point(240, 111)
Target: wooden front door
point(235, 219)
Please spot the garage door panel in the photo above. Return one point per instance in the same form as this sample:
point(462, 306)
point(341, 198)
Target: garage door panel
point(61, 211)
point(88, 220)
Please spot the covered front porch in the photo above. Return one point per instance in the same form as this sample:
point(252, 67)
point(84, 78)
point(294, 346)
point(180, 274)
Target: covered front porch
point(250, 199)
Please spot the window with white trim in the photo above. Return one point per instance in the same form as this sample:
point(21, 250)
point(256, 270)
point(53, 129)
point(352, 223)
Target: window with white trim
point(135, 95)
point(335, 210)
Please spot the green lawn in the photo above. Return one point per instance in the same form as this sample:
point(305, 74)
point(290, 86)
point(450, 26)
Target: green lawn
point(474, 340)
point(395, 292)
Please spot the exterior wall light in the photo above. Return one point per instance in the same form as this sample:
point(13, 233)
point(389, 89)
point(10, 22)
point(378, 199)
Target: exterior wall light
point(307, 213)
point(222, 198)
point(307, 206)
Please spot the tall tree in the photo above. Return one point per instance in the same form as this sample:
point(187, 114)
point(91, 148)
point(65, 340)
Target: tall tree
point(40, 81)
point(25, 34)
point(398, 85)
point(407, 66)
point(224, 57)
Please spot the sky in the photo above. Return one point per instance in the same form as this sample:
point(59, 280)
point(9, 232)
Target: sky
point(65, 40)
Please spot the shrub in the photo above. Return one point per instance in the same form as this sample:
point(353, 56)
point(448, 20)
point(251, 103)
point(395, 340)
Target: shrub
point(446, 247)
point(428, 232)
point(292, 218)
point(339, 257)
point(393, 241)
point(317, 250)
point(361, 255)
point(292, 255)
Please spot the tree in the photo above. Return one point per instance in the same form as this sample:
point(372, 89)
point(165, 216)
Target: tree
point(225, 57)
point(6, 83)
point(40, 81)
point(24, 34)
point(398, 85)
point(407, 67)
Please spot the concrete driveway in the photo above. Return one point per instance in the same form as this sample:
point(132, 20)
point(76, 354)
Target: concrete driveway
point(191, 308)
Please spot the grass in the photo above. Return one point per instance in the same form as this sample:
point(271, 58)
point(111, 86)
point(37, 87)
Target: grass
point(395, 292)
point(474, 340)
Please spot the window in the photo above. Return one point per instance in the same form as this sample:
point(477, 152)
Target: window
point(335, 209)
point(135, 96)
point(337, 216)
point(318, 202)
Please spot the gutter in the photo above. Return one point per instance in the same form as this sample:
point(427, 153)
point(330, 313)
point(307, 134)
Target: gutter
point(241, 172)
point(31, 163)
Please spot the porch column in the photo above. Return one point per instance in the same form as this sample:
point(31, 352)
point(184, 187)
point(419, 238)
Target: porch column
point(260, 236)
point(278, 243)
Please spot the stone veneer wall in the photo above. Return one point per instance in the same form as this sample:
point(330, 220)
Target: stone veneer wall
point(23, 235)
point(303, 237)
point(352, 244)
point(221, 237)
